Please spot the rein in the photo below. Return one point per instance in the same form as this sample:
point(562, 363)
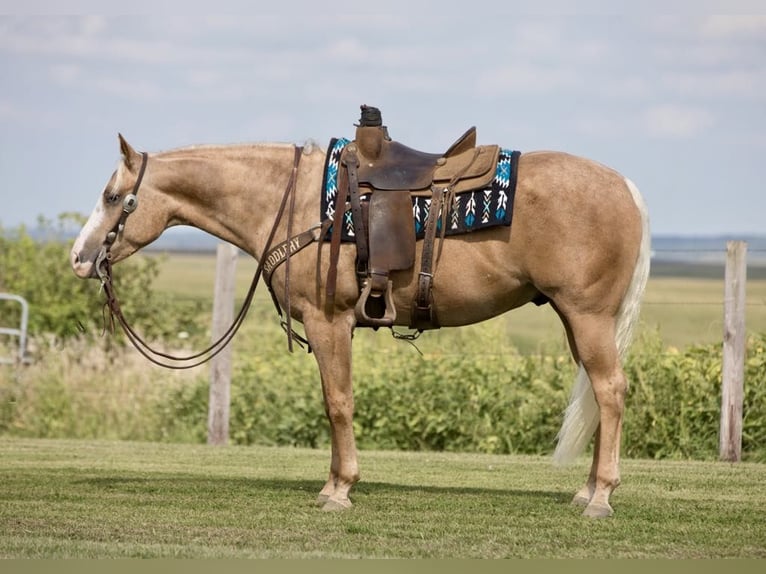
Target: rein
point(104, 271)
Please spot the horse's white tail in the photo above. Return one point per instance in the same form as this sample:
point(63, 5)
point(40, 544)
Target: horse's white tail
point(582, 415)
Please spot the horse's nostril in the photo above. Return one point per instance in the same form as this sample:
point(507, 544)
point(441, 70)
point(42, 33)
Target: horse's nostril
point(75, 258)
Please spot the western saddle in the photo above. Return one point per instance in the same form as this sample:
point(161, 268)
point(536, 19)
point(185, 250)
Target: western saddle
point(381, 176)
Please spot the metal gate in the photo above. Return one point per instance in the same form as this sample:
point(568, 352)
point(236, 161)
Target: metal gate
point(21, 333)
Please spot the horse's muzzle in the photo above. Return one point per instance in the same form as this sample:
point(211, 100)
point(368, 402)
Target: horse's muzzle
point(84, 269)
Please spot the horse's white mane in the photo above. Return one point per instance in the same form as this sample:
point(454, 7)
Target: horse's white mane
point(309, 147)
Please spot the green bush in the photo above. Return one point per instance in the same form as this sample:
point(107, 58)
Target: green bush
point(478, 403)
point(274, 401)
point(674, 401)
point(486, 404)
point(64, 307)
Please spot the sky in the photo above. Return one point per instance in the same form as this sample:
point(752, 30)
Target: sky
point(676, 102)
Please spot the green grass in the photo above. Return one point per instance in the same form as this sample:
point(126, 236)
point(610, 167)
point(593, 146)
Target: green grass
point(686, 308)
point(91, 499)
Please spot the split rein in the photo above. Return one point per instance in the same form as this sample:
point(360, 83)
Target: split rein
point(266, 264)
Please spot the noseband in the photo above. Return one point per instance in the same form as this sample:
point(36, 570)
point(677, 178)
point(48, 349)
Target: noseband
point(129, 205)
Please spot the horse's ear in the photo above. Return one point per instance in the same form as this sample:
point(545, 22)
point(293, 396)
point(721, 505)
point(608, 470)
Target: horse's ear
point(130, 156)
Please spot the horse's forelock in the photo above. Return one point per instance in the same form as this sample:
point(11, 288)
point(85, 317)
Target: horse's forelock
point(119, 174)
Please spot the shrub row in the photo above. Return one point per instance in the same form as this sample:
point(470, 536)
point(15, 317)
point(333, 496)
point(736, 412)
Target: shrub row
point(486, 404)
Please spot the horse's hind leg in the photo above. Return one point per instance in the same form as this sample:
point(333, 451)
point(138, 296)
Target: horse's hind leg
point(595, 339)
point(583, 496)
point(331, 344)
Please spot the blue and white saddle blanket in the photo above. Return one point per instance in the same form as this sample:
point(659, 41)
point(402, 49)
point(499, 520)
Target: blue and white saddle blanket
point(470, 210)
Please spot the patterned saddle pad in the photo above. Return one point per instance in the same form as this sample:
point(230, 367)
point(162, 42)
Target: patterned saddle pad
point(470, 211)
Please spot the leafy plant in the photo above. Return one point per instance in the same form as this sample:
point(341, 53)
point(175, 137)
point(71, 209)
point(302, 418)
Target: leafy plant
point(674, 401)
point(487, 404)
point(63, 307)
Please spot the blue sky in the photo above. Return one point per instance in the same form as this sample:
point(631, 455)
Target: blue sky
point(675, 102)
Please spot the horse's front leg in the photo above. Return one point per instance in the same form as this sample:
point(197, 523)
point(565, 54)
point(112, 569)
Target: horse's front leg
point(331, 344)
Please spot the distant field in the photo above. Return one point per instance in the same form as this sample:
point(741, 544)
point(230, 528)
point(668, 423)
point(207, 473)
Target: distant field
point(683, 303)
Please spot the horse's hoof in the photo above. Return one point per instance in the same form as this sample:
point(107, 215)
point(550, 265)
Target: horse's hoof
point(336, 505)
point(580, 500)
point(322, 499)
point(598, 511)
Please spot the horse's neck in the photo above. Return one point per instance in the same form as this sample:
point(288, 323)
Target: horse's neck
point(232, 192)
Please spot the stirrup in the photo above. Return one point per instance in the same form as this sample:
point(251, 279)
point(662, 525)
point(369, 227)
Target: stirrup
point(389, 314)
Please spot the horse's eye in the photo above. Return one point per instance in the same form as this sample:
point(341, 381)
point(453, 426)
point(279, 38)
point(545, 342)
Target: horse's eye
point(112, 197)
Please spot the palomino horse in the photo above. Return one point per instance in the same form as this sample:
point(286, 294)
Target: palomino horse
point(580, 239)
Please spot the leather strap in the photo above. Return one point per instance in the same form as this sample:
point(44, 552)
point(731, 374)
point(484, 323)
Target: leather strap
point(422, 311)
point(290, 211)
point(335, 240)
point(279, 253)
point(351, 161)
point(129, 205)
point(423, 316)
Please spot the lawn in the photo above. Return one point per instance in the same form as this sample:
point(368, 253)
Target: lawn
point(99, 499)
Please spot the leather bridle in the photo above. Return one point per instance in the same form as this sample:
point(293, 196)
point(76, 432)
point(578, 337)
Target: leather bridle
point(129, 205)
point(104, 272)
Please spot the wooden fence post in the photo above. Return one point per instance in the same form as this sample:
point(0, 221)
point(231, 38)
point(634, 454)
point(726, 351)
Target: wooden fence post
point(220, 365)
point(732, 387)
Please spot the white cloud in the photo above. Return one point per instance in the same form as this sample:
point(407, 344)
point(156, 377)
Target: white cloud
point(604, 126)
point(65, 74)
point(538, 37)
point(348, 49)
point(730, 83)
point(676, 121)
point(522, 78)
point(7, 110)
point(713, 41)
point(628, 87)
point(93, 25)
point(29, 116)
point(735, 26)
point(137, 89)
point(116, 40)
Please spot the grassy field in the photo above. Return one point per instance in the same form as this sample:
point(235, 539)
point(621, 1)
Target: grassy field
point(77, 499)
point(684, 304)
